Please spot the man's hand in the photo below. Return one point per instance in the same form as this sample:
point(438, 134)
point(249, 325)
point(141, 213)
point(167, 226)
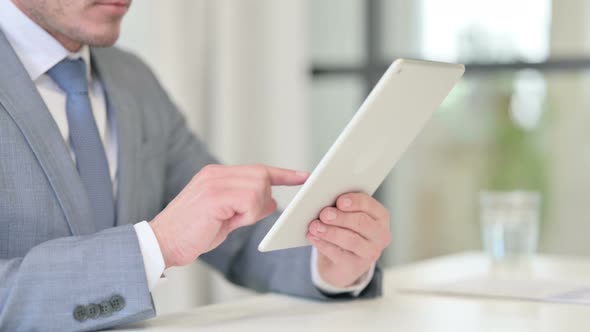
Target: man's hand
point(216, 201)
point(349, 238)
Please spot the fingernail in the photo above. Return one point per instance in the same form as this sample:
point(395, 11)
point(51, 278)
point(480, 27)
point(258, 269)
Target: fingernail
point(346, 202)
point(302, 174)
point(329, 215)
point(320, 227)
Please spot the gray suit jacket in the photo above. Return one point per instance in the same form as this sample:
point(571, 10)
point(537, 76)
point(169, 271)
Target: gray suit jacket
point(53, 260)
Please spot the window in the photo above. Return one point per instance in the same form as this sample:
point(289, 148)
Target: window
point(518, 120)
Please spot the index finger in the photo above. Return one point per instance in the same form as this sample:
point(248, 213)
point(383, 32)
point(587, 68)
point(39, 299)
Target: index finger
point(285, 177)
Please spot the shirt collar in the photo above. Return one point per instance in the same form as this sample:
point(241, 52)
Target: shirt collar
point(36, 48)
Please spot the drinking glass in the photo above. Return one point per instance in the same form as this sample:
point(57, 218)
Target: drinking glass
point(509, 223)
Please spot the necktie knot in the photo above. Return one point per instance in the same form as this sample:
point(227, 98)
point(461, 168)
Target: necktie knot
point(70, 76)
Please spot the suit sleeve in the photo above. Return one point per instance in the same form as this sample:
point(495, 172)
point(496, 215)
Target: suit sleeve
point(285, 271)
point(106, 284)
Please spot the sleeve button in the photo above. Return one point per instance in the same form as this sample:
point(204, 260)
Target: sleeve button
point(117, 302)
point(93, 310)
point(106, 309)
point(80, 313)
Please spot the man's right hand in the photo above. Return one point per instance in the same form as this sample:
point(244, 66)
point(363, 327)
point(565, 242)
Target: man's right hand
point(216, 201)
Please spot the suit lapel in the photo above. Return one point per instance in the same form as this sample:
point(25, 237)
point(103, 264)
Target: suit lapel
point(20, 98)
point(123, 106)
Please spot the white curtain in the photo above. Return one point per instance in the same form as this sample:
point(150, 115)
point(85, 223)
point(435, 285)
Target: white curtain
point(238, 70)
point(567, 229)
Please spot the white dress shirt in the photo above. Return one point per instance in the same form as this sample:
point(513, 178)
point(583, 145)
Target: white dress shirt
point(39, 51)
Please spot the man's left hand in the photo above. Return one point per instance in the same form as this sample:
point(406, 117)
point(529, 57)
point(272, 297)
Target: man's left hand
point(349, 238)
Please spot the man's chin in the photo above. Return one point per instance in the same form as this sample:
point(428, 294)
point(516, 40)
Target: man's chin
point(102, 39)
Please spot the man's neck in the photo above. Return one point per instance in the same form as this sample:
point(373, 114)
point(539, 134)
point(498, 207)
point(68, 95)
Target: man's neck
point(68, 44)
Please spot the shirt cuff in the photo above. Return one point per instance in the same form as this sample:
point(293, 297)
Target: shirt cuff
point(355, 290)
point(153, 261)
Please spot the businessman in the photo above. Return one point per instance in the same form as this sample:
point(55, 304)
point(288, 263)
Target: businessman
point(103, 186)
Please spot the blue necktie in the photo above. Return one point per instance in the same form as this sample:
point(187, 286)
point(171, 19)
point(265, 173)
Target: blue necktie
point(70, 76)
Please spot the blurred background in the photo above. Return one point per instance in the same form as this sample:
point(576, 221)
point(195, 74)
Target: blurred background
point(275, 82)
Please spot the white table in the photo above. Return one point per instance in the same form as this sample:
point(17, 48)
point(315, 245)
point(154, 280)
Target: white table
point(398, 310)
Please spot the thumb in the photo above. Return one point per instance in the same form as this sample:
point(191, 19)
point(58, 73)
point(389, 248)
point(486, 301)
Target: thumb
point(269, 208)
point(250, 218)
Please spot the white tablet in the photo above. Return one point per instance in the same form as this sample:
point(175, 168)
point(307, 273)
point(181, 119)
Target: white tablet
point(369, 146)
